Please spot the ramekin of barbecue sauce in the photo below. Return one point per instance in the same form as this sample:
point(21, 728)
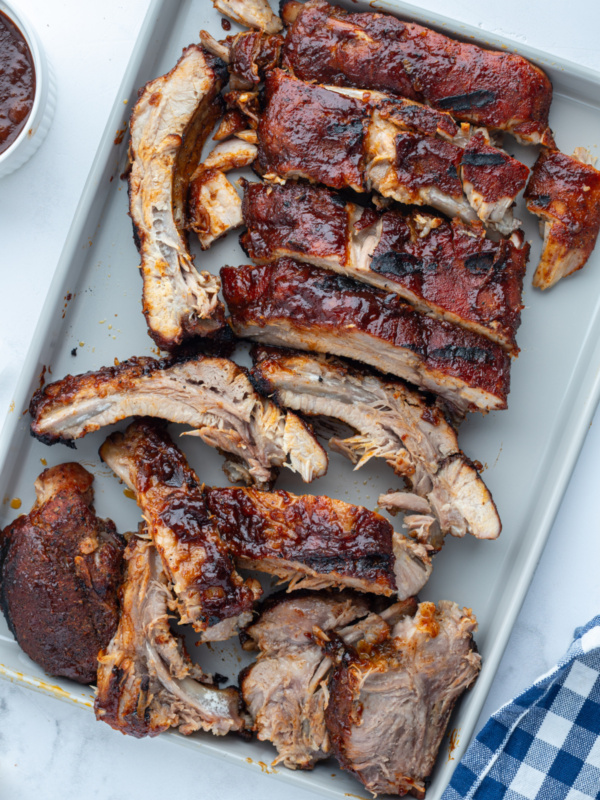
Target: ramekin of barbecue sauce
point(26, 90)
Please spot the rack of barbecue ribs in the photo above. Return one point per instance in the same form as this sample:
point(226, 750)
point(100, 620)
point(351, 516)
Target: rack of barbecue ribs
point(502, 91)
point(201, 534)
point(448, 270)
point(363, 140)
point(564, 192)
point(290, 304)
point(60, 572)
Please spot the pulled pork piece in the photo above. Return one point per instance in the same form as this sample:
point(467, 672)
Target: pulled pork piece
point(60, 571)
point(502, 91)
point(253, 13)
point(445, 269)
point(318, 542)
point(169, 125)
point(564, 192)
point(297, 305)
point(209, 592)
point(212, 395)
point(146, 681)
point(285, 690)
point(390, 701)
point(395, 423)
point(214, 207)
point(405, 151)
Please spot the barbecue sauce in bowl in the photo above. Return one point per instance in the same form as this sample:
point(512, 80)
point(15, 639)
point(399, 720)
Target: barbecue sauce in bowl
point(17, 82)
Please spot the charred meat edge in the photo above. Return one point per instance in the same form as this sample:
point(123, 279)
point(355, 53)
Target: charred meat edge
point(169, 125)
point(212, 395)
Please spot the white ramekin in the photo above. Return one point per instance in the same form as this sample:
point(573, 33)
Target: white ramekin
point(44, 101)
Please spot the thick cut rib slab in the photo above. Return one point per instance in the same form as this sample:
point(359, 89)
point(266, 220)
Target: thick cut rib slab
point(297, 305)
point(447, 270)
point(502, 91)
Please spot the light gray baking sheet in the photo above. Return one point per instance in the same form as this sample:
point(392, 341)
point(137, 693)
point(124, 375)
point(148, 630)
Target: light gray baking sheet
point(528, 451)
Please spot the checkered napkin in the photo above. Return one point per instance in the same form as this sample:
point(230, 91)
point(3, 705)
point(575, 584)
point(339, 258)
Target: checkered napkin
point(545, 744)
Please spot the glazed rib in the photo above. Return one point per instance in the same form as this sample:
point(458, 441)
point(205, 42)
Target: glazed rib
point(364, 140)
point(318, 542)
point(209, 592)
point(146, 681)
point(297, 305)
point(500, 90)
point(447, 270)
point(392, 422)
point(564, 192)
point(212, 395)
point(169, 125)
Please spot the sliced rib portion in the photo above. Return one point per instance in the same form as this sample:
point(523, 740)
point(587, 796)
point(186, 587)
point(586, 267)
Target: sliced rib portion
point(297, 305)
point(364, 140)
point(317, 542)
point(502, 91)
point(285, 691)
point(212, 395)
point(146, 681)
point(392, 422)
point(564, 192)
point(169, 125)
point(209, 592)
point(60, 572)
point(213, 206)
point(390, 701)
point(448, 270)
point(253, 13)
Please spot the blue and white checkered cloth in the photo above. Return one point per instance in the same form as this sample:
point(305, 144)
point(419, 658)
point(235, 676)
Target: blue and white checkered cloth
point(545, 744)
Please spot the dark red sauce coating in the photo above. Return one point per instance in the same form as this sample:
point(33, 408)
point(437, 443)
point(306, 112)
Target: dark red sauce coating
point(308, 298)
point(453, 270)
point(418, 117)
point(253, 53)
point(378, 51)
point(325, 535)
point(493, 173)
point(311, 132)
point(562, 188)
point(17, 82)
point(423, 161)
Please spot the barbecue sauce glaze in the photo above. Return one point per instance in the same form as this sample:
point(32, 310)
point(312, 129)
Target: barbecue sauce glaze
point(17, 82)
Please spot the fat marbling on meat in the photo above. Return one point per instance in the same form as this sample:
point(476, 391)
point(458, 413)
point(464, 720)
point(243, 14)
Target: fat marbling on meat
point(169, 124)
point(393, 422)
point(297, 305)
point(60, 571)
point(146, 680)
point(212, 395)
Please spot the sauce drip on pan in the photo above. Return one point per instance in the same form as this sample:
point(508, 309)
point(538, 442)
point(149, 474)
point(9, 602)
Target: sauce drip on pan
point(17, 82)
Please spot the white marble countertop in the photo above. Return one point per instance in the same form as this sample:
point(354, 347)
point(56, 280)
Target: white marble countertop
point(50, 749)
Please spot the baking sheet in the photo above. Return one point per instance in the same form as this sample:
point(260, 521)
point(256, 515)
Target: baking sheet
point(94, 307)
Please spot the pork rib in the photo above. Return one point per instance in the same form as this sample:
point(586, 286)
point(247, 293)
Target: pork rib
point(169, 125)
point(392, 422)
point(253, 13)
point(209, 592)
point(502, 91)
point(390, 701)
point(146, 681)
point(564, 192)
point(447, 270)
point(297, 305)
point(212, 395)
point(318, 542)
point(364, 140)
